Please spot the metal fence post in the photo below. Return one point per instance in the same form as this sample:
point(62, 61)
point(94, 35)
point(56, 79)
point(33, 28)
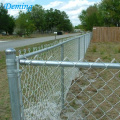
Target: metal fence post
point(78, 48)
point(87, 42)
point(62, 76)
point(19, 86)
point(13, 83)
point(84, 45)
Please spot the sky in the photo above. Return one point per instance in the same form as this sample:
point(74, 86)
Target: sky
point(72, 7)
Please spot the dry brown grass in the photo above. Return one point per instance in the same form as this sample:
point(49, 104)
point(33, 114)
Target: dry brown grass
point(16, 37)
point(95, 94)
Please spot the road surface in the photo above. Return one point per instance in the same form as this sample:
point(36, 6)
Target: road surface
point(20, 43)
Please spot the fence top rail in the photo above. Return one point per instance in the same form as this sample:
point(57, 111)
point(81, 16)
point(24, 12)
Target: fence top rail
point(48, 48)
point(70, 64)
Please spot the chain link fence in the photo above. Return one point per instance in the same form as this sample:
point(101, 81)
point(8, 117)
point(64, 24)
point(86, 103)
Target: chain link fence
point(56, 83)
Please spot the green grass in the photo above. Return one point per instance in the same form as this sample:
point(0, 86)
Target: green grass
point(94, 48)
point(2, 60)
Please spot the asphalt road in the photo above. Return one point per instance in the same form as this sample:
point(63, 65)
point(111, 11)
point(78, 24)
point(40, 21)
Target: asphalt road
point(24, 42)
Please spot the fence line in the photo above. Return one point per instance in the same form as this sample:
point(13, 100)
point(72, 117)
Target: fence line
point(56, 83)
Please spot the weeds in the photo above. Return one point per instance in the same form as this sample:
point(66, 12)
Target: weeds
point(107, 57)
point(94, 48)
point(101, 52)
point(119, 50)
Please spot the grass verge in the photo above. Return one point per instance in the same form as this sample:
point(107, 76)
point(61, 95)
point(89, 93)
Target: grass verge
point(16, 37)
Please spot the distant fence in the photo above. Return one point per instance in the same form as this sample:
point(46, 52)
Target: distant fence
point(106, 34)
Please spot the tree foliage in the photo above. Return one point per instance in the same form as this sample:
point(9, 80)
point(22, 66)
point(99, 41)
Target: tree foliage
point(89, 17)
point(105, 13)
point(37, 19)
point(7, 23)
point(43, 20)
point(11, 24)
point(79, 27)
point(24, 24)
point(111, 12)
point(58, 20)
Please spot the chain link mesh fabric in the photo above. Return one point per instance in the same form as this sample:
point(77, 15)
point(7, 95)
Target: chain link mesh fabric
point(88, 93)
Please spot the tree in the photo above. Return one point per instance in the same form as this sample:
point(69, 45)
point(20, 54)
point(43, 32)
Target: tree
point(6, 22)
point(43, 20)
point(110, 12)
point(11, 24)
point(3, 18)
point(64, 22)
point(38, 17)
point(24, 24)
point(49, 18)
point(78, 27)
point(89, 18)
point(58, 20)
point(104, 14)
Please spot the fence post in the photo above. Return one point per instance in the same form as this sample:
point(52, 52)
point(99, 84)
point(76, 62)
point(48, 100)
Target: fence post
point(79, 49)
point(62, 76)
point(19, 86)
point(84, 44)
point(87, 39)
point(13, 83)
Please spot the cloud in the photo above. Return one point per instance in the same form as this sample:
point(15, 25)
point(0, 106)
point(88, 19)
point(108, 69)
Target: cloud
point(73, 8)
point(56, 5)
point(75, 4)
point(14, 12)
point(15, 1)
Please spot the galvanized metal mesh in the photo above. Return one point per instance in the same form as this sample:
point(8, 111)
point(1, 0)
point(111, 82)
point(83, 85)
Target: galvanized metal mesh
point(42, 86)
point(69, 93)
point(54, 82)
point(37, 89)
point(94, 95)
